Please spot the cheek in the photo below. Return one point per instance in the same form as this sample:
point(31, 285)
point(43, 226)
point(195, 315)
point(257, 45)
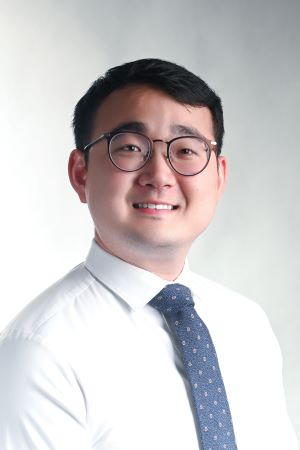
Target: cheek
point(106, 190)
point(201, 200)
point(96, 190)
point(202, 190)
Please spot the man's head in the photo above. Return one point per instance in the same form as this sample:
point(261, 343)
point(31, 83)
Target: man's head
point(149, 216)
point(176, 81)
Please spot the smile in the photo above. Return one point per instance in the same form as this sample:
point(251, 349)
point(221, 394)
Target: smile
point(153, 206)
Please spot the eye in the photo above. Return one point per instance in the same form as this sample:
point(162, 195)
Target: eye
point(130, 148)
point(187, 153)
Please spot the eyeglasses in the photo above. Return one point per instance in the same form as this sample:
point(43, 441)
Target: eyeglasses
point(130, 151)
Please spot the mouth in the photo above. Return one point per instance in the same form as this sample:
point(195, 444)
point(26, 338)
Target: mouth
point(159, 206)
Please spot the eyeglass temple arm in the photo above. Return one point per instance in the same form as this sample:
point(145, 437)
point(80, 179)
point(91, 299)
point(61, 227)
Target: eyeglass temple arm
point(88, 146)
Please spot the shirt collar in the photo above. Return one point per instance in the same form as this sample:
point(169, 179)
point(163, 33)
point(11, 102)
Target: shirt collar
point(134, 285)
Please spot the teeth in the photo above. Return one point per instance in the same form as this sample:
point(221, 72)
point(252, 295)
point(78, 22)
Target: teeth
point(153, 206)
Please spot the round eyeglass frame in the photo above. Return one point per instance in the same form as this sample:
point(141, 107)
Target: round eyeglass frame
point(211, 145)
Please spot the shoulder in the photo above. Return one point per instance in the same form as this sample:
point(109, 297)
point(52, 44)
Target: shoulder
point(221, 296)
point(234, 320)
point(52, 306)
point(221, 304)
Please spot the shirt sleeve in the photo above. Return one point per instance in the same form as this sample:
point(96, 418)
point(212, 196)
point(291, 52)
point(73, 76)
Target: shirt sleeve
point(42, 406)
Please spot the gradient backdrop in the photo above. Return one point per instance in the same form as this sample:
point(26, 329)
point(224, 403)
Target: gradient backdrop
point(248, 51)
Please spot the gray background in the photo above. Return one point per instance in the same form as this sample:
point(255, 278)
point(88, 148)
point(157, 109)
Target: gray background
point(247, 50)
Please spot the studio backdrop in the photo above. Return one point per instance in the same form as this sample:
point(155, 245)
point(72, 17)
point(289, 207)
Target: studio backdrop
point(51, 51)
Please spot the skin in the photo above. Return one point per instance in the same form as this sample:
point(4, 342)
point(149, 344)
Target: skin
point(159, 240)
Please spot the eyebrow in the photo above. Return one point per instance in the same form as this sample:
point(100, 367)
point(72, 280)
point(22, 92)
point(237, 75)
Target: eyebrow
point(140, 127)
point(185, 130)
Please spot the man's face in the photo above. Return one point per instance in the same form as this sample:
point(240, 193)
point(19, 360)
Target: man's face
point(112, 195)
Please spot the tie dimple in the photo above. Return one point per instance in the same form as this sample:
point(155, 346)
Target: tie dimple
point(212, 413)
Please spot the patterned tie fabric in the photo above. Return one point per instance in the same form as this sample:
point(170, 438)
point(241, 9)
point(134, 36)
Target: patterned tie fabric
point(215, 429)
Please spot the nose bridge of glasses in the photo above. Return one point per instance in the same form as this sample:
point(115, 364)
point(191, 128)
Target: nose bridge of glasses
point(166, 155)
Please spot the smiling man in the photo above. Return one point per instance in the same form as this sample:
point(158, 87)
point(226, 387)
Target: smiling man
point(147, 213)
point(131, 350)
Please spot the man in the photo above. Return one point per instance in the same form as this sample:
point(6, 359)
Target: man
point(93, 362)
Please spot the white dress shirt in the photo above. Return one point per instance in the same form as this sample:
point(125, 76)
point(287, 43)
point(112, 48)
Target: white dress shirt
point(89, 365)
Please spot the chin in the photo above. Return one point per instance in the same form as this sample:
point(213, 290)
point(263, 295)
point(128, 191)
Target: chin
point(155, 243)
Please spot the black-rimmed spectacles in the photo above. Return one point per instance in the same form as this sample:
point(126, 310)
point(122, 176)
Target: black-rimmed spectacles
point(130, 151)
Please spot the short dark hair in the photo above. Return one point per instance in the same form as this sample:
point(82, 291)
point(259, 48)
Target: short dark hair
point(176, 81)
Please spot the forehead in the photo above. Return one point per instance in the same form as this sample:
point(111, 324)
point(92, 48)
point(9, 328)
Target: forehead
point(159, 113)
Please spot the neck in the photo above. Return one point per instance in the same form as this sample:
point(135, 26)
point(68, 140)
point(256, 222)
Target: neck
point(166, 266)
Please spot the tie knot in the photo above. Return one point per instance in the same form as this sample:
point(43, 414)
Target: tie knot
point(172, 299)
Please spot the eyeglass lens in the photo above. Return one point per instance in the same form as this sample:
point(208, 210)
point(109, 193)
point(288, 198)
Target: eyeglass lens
point(130, 152)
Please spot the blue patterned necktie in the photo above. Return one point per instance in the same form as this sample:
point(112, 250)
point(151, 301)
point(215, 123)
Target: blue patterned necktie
point(215, 429)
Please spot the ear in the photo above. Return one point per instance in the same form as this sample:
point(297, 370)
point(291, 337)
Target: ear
point(222, 174)
point(78, 173)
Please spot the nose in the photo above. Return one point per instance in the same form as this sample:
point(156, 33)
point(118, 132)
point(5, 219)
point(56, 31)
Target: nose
point(157, 173)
